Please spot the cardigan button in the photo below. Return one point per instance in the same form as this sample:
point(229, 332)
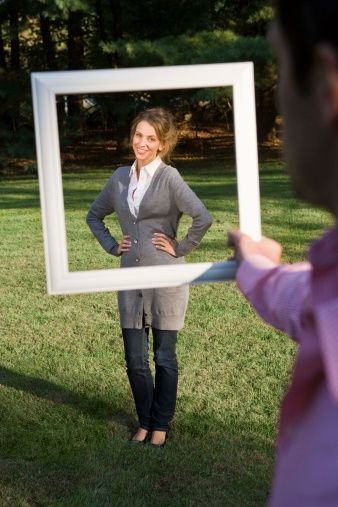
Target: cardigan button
point(137, 259)
point(135, 241)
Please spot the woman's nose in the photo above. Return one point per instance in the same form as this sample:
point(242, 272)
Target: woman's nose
point(142, 141)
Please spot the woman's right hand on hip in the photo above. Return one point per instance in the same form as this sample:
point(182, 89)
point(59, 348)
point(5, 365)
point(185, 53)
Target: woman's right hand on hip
point(124, 245)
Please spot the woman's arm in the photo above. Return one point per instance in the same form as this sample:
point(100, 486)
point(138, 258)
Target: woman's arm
point(101, 207)
point(188, 203)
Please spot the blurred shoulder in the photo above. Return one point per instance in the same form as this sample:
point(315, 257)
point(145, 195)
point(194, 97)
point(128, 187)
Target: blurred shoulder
point(121, 173)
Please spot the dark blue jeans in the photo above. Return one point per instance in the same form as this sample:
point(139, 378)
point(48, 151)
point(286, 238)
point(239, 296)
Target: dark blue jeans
point(155, 404)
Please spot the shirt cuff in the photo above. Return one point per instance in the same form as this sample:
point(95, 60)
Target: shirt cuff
point(185, 247)
point(114, 250)
point(251, 270)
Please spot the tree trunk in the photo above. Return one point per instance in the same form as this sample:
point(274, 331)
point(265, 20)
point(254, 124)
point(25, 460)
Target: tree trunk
point(266, 117)
point(75, 41)
point(14, 64)
point(101, 28)
point(117, 18)
point(75, 62)
point(3, 63)
point(100, 22)
point(14, 38)
point(48, 45)
point(117, 28)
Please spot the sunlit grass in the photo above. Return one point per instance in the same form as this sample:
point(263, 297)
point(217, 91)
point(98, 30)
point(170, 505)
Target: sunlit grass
point(66, 409)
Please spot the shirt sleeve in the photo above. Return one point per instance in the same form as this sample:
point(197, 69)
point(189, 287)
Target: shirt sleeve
point(277, 292)
point(101, 207)
point(188, 203)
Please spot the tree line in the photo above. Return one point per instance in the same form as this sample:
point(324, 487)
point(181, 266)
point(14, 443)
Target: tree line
point(81, 34)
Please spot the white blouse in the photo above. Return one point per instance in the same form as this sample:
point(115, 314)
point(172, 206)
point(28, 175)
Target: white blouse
point(138, 187)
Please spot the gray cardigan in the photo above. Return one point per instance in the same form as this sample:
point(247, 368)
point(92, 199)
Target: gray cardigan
point(161, 208)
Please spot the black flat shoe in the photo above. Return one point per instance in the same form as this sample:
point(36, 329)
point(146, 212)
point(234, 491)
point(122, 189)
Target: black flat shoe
point(135, 441)
point(160, 446)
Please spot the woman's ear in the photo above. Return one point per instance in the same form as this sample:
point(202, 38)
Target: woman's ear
point(326, 83)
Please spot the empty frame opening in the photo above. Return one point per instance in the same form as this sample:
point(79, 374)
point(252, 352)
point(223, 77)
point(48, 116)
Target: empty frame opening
point(94, 141)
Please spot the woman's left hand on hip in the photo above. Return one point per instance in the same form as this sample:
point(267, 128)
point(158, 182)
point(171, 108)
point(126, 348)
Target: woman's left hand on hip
point(165, 243)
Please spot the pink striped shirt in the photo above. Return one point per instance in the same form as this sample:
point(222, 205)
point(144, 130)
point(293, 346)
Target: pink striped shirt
point(302, 300)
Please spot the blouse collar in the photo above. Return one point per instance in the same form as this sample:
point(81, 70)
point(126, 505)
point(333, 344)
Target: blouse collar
point(149, 168)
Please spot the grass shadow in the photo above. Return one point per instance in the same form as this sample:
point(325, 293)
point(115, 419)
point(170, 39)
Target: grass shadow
point(41, 388)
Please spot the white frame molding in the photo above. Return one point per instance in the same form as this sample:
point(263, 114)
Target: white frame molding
point(45, 87)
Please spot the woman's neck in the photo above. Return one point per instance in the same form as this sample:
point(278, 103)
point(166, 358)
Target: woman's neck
point(140, 164)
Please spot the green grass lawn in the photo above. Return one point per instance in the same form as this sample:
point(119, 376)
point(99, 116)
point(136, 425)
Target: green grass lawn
point(66, 410)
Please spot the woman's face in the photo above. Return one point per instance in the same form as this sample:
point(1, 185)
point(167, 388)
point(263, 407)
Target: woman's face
point(146, 144)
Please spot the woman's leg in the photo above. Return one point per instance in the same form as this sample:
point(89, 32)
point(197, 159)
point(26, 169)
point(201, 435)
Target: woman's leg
point(166, 378)
point(139, 374)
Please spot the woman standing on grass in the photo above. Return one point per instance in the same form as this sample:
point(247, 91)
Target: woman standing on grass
point(149, 198)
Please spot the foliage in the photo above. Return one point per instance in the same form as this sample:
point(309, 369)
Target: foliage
point(203, 47)
point(79, 34)
point(245, 18)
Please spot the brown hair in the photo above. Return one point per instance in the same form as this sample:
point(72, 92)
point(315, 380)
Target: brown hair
point(163, 122)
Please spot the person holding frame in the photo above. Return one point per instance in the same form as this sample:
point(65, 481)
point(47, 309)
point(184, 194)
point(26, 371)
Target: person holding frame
point(149, 199)
point(302, 299)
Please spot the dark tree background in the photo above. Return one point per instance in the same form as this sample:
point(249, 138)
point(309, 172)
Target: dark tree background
point(82, 34)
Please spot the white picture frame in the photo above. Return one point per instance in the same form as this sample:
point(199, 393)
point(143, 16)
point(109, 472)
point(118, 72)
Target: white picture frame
point(45, 87)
